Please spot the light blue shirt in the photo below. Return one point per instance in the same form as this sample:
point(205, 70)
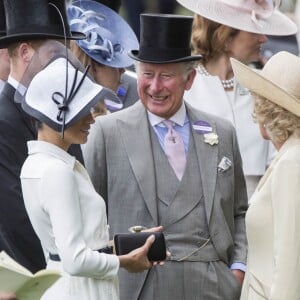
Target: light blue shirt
point(181, 124)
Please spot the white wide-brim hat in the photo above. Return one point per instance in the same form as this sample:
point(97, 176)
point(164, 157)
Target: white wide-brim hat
point(246, 15)
point(45, 97)
point(278, 81)
point(56, 88)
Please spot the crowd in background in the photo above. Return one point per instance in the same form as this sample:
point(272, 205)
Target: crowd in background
point(167, 115)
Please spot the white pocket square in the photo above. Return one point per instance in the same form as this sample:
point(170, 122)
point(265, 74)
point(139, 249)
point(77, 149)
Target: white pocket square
point(224, 164)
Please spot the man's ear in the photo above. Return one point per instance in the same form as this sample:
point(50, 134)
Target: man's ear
point(190, 79)
point(26, 52)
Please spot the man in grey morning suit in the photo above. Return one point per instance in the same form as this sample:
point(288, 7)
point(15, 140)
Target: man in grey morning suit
point(203, 211)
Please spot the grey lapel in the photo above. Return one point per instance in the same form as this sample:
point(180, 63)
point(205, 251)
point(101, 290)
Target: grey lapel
point(207, 158)
point(136, 137)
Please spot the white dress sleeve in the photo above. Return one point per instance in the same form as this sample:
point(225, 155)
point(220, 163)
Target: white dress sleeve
point(60, 199)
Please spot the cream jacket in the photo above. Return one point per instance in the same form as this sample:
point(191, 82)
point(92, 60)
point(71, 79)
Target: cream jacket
point(273, 230)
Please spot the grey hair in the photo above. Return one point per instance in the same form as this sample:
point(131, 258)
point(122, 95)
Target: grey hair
point(187, 67)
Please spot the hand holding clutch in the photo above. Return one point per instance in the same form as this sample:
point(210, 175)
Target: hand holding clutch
point(126, 242)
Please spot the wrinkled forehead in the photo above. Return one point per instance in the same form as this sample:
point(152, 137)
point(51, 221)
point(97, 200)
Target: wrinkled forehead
point(160, 68)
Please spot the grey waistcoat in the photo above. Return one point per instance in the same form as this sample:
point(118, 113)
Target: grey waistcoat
point(184, 236)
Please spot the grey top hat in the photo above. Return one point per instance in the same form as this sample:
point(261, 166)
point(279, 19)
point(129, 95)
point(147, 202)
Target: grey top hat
point(165, 38)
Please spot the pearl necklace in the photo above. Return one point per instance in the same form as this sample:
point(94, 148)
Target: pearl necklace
point(227, 84)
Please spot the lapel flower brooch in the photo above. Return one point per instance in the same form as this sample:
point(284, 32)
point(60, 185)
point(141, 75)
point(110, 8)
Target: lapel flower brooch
point(211, 138)
point(203, 127)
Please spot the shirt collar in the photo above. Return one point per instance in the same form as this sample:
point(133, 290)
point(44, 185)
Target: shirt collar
point(16, 84)
point(178, 117)
point(13, 82)
point(2, 82)
point(51, 149)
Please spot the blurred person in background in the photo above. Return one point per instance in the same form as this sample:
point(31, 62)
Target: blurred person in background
point(4, 57)
point(272, 220)
point(4, 67)
point(233, 28)
point(109, 39)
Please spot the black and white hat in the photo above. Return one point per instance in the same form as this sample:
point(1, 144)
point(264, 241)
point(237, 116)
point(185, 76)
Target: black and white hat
point(62, 92)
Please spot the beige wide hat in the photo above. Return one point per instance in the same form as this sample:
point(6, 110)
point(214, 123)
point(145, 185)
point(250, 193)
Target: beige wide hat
point(257, 16)
point(278, 81)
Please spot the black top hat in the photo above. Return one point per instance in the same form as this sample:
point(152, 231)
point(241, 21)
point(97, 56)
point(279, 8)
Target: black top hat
point(165, 39)
point(36, 19)
point(2, 19)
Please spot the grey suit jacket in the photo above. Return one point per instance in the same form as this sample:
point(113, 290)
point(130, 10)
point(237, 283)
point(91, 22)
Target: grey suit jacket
point(119, 160)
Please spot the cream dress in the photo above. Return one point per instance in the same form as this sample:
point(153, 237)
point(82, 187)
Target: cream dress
point(69, 217)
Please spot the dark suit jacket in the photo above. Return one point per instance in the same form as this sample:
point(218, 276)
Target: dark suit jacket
point(17, 237)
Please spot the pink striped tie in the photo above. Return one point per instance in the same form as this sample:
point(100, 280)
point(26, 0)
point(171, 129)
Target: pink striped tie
point(174, 149)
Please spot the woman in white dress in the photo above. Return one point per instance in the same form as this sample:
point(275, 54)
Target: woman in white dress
point(272, 220)
point(233, 28)
point(67, 214)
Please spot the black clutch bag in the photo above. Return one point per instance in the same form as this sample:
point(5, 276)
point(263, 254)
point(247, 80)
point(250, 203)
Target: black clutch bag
point(126, 242)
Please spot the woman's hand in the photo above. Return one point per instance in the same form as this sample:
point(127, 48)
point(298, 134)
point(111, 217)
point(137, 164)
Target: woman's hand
point(137, 260)
point(154, 229)
point(157, 229)
point(7, 296)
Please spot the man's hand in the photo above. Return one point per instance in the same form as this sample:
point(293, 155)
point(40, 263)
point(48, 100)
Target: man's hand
point(239, 275)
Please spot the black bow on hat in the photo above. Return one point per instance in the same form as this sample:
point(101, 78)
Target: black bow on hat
point(36, 19)
point(62, 82)
point(165, 38)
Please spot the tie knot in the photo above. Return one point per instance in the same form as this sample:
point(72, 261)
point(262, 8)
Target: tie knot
point(168, 123)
